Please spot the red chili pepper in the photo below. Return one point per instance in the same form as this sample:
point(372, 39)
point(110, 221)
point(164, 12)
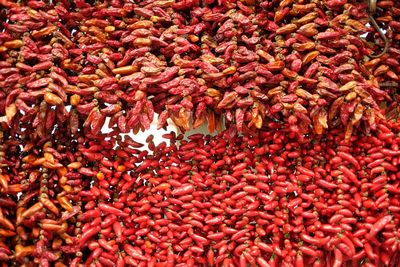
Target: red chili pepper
point(308, 251)
point(88, 234)
point(216, 220)
point(135, 253)
point(183, 190)
point(110, 209)
point(379, 225)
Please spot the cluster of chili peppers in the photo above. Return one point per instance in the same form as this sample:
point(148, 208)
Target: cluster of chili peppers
point(270, 199)
point(248, 62)
point(305, 174)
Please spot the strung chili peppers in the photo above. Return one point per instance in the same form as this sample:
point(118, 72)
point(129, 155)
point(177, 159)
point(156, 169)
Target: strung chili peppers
point(248, 63)
point(267, 199)
point(305, 174)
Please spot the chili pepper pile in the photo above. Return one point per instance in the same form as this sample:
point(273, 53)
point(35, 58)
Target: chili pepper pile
point(305, 174)
point(281, 202)
point(249, 62)
point(269, 199)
